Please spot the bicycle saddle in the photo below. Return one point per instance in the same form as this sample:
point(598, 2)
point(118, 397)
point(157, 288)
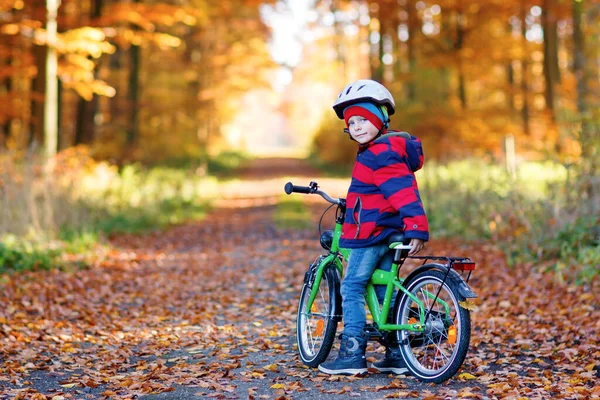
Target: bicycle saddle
point(396, 238)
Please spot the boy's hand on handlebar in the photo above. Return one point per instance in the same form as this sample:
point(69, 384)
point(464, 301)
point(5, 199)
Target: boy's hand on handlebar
point(417, 245)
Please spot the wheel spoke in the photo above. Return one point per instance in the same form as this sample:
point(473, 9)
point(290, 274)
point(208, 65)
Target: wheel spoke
point(314, 326)
point(432, 355)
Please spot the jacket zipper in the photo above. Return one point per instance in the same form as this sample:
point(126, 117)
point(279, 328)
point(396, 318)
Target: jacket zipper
point(357, 210)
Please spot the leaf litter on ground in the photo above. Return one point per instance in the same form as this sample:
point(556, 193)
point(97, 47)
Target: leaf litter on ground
point(211, 306)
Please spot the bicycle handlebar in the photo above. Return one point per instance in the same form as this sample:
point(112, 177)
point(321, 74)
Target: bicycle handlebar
point(313, 188)
point(291, 188)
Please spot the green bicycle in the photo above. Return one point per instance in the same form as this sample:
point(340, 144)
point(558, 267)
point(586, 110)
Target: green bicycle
point(430, 317)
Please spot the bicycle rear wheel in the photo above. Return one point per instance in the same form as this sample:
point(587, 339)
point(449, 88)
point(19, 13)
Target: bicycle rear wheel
point(437, 353)
point(316, 329)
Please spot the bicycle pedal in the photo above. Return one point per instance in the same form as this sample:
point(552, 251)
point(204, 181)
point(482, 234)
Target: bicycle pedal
point(372, 332)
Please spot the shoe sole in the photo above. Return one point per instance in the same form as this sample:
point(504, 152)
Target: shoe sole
point(346, 371)
point(396, 371)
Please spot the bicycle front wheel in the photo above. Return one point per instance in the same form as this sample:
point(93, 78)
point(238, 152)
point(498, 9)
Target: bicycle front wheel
point(316, 328)
point(437, 353)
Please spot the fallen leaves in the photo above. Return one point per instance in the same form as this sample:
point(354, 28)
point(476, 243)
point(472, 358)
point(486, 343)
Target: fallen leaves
point(468, 304)
point(466, 376)
point(211, 307)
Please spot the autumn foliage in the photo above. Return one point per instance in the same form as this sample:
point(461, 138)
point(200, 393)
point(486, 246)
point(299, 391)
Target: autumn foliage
point(129, 72)
point(465, 75)
point(203, 301)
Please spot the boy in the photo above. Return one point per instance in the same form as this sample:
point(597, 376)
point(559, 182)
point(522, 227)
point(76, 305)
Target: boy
point(383, 199)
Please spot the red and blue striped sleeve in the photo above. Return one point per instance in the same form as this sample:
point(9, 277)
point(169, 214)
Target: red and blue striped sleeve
point(398, 184)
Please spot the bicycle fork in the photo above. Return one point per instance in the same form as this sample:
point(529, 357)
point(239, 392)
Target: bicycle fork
point(313, 278)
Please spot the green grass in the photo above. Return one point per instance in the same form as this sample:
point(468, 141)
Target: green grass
point(96, 204)
point(540, 216)
point(22, 255)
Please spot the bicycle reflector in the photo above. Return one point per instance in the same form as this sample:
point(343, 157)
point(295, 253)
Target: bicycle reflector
point(463, 265)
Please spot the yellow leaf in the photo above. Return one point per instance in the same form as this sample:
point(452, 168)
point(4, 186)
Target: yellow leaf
point(271, 367)
point(586, 296)
point(468, 304)
point(69, 385)
point(466, 376)
point(278, 386)
point(590, 367)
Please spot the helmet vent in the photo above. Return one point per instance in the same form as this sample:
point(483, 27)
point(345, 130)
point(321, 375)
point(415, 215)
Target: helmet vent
point(363, 90)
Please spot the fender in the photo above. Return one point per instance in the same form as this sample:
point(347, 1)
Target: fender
point(463, 287)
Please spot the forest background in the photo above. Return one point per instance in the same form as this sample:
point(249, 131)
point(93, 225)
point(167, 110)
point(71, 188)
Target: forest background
point(132, 116)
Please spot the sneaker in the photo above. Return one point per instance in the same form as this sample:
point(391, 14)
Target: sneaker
point(392, 362)
point(351, 358)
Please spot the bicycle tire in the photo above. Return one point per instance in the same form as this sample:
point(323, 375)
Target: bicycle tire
point(436, 354)
point(315, 333)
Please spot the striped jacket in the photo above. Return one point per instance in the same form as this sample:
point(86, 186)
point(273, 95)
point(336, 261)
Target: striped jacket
point(383, 197)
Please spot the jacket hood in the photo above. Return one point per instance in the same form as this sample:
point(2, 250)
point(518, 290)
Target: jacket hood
point(414, 148)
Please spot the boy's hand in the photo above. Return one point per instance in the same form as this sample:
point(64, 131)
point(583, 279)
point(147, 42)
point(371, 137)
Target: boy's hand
point(417, 245)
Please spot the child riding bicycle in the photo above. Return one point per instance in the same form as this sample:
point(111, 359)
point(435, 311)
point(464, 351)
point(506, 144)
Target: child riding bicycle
point(383, 199)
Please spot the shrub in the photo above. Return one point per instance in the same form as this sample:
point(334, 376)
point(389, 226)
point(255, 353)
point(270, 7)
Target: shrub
point(44, 216)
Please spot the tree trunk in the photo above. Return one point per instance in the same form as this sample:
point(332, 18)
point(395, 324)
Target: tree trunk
point(396, 45)
point(38, 84)
point(378, 56)
point(36, 131)
point(458, 45)
point(579, 57)
point(86, 110)
point(510, 79)
point(134, 83)
point(524, 70)
point(60, 140)
point(7, 123)
point(551, 69)
point(340, 48)
point(51, 101)
point(133, 93)
point(412, 22)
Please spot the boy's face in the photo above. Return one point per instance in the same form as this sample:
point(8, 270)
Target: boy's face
point(361, 129)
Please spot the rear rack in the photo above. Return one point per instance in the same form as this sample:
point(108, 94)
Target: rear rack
point(463, 264)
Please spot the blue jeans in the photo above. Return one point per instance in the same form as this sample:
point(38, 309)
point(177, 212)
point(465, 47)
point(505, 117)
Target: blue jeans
point(361, 264)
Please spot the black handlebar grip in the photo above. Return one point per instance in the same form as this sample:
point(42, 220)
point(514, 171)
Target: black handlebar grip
point(290, 188)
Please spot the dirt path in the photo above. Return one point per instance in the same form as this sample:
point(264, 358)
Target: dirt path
point(207, 310)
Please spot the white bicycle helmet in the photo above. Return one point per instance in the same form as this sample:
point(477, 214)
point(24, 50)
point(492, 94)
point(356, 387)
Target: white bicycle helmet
point(364, 90)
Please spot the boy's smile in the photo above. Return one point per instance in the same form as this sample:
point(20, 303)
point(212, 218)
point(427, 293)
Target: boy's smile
point(361, 129)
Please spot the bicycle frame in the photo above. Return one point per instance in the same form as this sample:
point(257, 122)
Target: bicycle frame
point(380, 277)
point(431, 304)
